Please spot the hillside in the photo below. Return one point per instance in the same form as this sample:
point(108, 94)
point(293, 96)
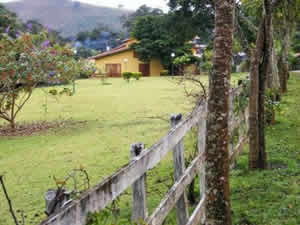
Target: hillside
point(67, 16)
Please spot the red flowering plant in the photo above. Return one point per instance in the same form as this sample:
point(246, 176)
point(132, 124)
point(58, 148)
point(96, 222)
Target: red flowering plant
point(26, 62)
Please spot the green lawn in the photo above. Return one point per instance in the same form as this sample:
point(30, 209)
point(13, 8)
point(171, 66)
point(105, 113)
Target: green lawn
point(119, 114)
point(115, 116)
point(272, 197)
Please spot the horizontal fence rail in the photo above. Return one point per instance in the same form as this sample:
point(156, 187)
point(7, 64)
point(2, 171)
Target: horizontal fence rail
point(108, 190)
point(134, 175)
point(167, 204)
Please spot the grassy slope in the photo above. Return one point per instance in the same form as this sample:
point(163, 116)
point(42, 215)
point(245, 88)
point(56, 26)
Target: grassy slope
point(102, 145)
point(116, 117)
point(272, 197)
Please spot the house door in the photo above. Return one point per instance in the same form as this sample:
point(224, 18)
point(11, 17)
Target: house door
point(144, 69)
point(113, 70)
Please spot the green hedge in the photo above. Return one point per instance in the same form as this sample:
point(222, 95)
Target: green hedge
point(137, 75)
point(164, 73)
point(128, 75)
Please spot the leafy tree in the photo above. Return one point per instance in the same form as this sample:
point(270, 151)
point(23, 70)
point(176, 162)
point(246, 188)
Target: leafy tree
point(82, 36)
point(95, 33)
point(34, 27)
point(83, 52)
point(189, 18)
point(296, 39)
point(130, 20)
point(99, 38)
point(9, 23)
point(24, 63)
point(285, 17)
point(155, 40)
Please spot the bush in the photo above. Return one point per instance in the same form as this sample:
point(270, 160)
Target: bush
point(127, 76)
point(233, 68)
point(206, 66)
point(164, 73)
point(137, 75)
point(88, 69)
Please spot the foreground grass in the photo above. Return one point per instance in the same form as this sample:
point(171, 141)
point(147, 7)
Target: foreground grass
point(272, 197)
point(115, 115)
point(119, 114)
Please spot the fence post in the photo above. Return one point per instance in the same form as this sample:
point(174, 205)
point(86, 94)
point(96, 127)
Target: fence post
point(179, 168)
point(201, 150)
point(139, 206)
point(231, 118)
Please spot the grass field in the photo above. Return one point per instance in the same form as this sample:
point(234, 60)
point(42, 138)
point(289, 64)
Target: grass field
point(116, 115)
point(272, 197)
point(119, 114)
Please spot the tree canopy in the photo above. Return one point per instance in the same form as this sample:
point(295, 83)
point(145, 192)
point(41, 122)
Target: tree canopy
point(155, 40)
point(144, 10)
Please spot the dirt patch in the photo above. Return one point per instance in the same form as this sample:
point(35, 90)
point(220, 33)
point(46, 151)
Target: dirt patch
point(28, 129)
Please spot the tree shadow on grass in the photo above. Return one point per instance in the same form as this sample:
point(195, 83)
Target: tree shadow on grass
point(29, 129)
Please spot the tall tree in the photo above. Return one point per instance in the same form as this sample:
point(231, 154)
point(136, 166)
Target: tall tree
point(189, 18)
point(285, 18)
point(155, 40)
point(260, 66)
point(296, 38)
point(144, 10)
point(218, 206)
point(9, 23)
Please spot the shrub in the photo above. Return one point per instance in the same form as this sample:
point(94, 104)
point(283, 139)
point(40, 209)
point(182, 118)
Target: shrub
point(88, 69)
point(206, 66)
point(137, 75)
point(164, 73)
point(233, 68)
point(27, 61)
point(127, 76)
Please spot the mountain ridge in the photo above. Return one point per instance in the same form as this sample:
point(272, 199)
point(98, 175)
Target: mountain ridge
point(67, 16)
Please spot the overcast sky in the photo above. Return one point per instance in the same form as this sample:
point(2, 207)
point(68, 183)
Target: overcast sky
point(129, 4)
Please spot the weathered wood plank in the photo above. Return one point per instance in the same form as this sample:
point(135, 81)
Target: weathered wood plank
point(109, 189)
point(139, 196)
point(201, 150)
point(237, 150)
point(198, 213)
point(166, 205)
point(182, 213)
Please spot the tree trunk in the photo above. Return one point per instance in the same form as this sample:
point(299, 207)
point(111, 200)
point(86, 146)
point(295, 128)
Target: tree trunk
point(218, 206)
point(253, 109)
point(12, 124)
point(283, 62)
point(259, 72)
point(12, 112)
point(273, 81)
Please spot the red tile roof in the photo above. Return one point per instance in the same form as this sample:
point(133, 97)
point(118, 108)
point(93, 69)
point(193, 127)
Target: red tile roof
point(116, 50)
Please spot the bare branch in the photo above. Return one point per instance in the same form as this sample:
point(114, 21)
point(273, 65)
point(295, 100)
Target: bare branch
point(11, 210)
point(22, 104)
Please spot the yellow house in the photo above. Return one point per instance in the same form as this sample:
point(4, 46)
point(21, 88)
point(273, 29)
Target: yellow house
point(124, 59)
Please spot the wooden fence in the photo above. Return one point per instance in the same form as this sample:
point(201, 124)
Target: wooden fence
point(134, 174)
